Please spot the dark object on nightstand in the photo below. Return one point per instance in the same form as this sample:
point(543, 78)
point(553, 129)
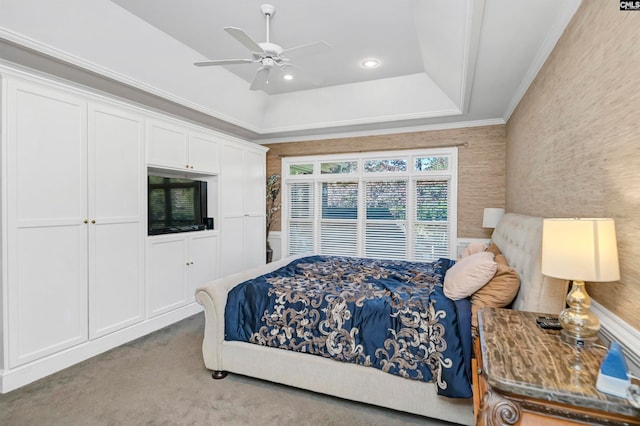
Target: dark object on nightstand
point(550, 325)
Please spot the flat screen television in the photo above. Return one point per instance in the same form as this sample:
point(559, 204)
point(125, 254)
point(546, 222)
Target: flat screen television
point(176, 205)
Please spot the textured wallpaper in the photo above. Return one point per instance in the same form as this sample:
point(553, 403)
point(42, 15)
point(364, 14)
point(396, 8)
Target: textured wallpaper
point(481, 164)
point(573, 143)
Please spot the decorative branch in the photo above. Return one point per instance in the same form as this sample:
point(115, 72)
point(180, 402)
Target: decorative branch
point(273, 202)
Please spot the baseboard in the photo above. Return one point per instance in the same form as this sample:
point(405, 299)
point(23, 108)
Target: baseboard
point(613, 328)
point(17, 377)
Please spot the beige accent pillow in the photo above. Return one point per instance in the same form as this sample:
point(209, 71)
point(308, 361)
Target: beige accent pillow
point(493, 248)
point(468, 275)
point(473, 248)
point(501, 289)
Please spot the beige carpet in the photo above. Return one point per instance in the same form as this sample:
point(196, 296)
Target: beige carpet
point(160, 379)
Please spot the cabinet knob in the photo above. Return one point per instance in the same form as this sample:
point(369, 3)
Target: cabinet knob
point(85, 221)
point(93, 221)
point(191, 263)
point(187, 263)
point(187, 166)
point(191, 167)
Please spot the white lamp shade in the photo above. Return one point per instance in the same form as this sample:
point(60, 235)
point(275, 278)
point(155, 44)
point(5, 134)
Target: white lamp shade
point(491, 217)
point(580, 249)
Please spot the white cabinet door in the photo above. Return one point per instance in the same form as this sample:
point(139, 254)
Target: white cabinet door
point(232, 242)
point(176, 147)
point(203, 153)
point(242, 242)
point(232, 209)
point(255, 246)
point(116, 219)
point(233, 181)
point(203, 258)
point(178, 264)
point(254, 202)
point(167, 146)
point(167, 266)
point(47, 192)
point(254, 185)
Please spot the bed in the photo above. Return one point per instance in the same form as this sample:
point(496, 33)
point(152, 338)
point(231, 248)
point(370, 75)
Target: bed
point(519, 239)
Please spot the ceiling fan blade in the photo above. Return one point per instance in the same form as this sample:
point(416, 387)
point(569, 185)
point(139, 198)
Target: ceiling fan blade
point(308, 49)
point(244, 38)
point(223, 62)
point(261, 79)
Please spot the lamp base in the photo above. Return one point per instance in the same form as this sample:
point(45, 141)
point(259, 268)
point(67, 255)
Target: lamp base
point(583, 342)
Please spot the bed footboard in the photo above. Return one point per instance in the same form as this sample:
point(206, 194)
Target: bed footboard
point(213, 296)
point(214, 299)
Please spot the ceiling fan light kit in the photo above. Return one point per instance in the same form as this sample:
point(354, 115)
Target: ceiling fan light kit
point(268, 54)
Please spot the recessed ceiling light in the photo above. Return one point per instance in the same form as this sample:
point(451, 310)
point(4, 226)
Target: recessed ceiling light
point(288, 77)
point(370, 63)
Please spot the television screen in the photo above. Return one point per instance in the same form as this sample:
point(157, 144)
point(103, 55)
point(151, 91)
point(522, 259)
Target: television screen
point(176, 205)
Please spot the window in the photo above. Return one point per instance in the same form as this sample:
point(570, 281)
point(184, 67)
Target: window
point(339, 218)
point(393, 205)
point(386, 219)
point(300, 214)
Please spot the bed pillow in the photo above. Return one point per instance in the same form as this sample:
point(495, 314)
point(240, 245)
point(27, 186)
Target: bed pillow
point(469, 274)
point(501, 289)
point(493, 248)
point(473, 248)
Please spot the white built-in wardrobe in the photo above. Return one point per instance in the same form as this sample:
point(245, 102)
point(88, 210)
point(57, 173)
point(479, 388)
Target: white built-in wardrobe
point(79, 273)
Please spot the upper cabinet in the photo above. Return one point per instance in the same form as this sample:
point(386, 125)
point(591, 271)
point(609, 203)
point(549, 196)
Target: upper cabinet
point(178, 147)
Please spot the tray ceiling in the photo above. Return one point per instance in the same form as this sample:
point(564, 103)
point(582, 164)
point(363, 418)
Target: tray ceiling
point(443, 63)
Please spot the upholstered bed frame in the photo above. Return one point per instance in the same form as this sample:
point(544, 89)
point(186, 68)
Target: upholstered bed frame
point(519, 237)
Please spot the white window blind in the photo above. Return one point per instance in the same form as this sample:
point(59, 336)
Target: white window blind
point(392, 205)
point(339, 221)
point(385, 224)
point(300, 214)
point(431, 220)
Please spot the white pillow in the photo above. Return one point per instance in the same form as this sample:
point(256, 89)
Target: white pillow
point(473, 248)
point(469, 274)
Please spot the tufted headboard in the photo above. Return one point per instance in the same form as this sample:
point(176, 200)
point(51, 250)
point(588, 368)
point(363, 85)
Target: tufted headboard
point(519, 237)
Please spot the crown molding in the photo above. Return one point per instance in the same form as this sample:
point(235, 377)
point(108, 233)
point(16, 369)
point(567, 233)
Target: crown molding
point(387, 131)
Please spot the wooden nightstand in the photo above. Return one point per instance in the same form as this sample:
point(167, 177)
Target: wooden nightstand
point(529, 376)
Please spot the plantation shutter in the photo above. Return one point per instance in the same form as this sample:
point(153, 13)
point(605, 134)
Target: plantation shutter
point(339, 219)
point(431, 220)
point(386, 205)
point(300, 214)
point(386, 219)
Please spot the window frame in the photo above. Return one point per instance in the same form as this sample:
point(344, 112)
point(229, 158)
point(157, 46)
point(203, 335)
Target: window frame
point(360, 176)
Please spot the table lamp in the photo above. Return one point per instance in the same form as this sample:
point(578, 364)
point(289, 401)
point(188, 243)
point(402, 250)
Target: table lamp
point(491, 217)
point(580, 250)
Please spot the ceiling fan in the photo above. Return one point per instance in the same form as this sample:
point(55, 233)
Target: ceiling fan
point(268, 54)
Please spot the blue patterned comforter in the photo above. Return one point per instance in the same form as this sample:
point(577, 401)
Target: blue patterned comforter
point(387, 314)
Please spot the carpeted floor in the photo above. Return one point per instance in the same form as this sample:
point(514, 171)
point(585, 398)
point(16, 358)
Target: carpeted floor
point(160, 379)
